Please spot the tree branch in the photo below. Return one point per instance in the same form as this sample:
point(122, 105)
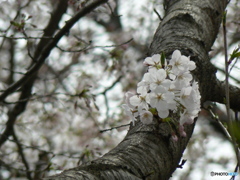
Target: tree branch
point(148, 151)
point(21, 153)
point(27, 88)
point(46, 51)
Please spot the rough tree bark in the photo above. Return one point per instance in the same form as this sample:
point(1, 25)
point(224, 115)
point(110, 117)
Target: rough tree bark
point(147, 151)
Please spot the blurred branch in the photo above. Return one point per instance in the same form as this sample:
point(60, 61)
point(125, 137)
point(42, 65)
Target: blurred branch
point(219, 94)
point(231, 77)
point(68, 154)
point(110, 87)
point(16, 16)
point(42, 52)
point(229, 136)
point(21, 153)
point(24, 37)
point(27, 87)
point(46, 51)
point(93, 47)
point(105, 96)
point(114, 23)
point(10, 79)
point(35, 97)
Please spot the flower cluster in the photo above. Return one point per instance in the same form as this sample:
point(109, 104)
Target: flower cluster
point(166, 87)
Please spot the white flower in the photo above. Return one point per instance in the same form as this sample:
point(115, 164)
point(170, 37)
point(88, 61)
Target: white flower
point(191, 65)
point(129, 112)
point(190, 97)
point(128, 95)
point(186, 97)
point(146, 117)
point(162, 100)
point(183, 79)
point(157, 78)
point(144, 85)
point(187, 117)
point(153, 62)
point(177, 62)
point(180, 63)
point(141, 101)
point(196, 92)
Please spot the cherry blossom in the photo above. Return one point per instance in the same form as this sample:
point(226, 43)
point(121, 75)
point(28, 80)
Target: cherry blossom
point(144, 85)
point(129, 112)
point(160, 99)
point(141, 101)
point(182, 79)
point(181, 63)
point(153, 62)
point(128, 95)
point(166, 87)
point(146, 117)
point(157, 78)
point(187, 117)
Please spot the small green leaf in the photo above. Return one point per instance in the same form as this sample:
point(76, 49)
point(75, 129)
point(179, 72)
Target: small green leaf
point(163, 58)
point(153, 111)
point(235, 54)
point(15, 23)
point(83, 94)
point(167, 119)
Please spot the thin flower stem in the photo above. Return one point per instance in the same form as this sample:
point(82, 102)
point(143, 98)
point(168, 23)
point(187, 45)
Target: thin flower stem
point(230, 124)
point(226, 131)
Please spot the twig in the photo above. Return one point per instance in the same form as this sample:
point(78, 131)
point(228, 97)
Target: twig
point(233, 63)
point(182, 163)
point(35, 97)
point(21, 153)
point(24, 37)
point(233, 78)
point(215, 117)
point(93, 47)
point(110, 87)
point(12, 71)
point(159, 16)
point(16, 16)
point(124, 125)
point(107, 108)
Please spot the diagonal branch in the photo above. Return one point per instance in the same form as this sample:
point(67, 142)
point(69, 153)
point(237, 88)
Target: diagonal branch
point(27, 88)
point(46, 51)
point(41, 54)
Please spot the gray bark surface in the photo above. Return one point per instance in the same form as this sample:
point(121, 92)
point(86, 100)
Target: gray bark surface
point(148, 151)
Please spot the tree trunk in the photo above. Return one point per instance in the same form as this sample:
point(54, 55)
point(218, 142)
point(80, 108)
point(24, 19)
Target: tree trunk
point(148, 151)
